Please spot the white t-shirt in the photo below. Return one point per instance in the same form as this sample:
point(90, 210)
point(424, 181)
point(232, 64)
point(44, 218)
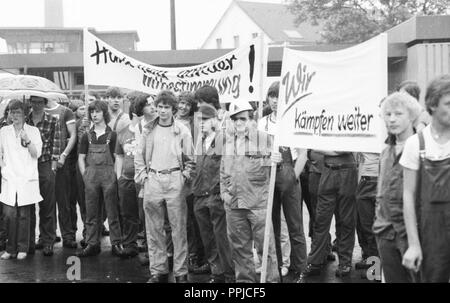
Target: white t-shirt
point(433, 150)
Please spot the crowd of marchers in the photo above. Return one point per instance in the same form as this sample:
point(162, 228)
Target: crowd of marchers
point(185, 179)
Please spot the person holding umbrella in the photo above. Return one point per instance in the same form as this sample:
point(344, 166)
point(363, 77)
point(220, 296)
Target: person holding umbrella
point(20, 148)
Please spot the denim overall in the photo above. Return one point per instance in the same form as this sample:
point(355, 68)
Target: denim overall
point(99, 178)
point(434, 216)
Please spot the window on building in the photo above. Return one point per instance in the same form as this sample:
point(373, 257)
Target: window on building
point(48, 47)
point(236, 41)
point(22, 48)
point(79, 78)
point(254, 35)
point(61, 47)
point(219, 42)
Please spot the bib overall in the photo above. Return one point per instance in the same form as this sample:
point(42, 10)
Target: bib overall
point(100, 178)
point(434, 216)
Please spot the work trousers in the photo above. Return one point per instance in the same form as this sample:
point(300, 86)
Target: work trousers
point(47, 208)
point(17, 223)
point(365, 206)
point(97, 181)
point(435, 241)
point(129, 211)
point(391, 248)
point(62, 193)
point(287, 195)
point(211, 218)
point(163, 195)
point(195, 245)
point(81, 199)
point(336, 195)
point(246, 227)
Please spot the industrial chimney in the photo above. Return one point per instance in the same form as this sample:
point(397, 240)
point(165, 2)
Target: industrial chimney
point(54, 13)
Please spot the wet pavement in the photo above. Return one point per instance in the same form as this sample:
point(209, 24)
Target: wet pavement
point(106, 268)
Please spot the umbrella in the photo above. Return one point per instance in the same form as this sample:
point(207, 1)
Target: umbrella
point(23, 86)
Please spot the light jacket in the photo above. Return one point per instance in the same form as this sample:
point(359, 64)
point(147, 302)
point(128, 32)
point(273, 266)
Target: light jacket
point(184, 150)
point(244, 177)
point(20, 174)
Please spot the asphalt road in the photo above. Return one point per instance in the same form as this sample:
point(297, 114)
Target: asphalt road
point(107, 268)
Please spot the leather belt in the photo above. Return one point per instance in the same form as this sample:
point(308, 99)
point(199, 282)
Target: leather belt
point(164, 171)
point(339, 166)
point(369, 178)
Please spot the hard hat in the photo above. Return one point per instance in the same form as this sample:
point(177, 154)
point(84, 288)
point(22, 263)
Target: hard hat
point(237, 107)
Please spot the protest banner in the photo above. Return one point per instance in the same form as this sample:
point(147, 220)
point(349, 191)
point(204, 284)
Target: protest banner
point(235, 75)
point(330, 100)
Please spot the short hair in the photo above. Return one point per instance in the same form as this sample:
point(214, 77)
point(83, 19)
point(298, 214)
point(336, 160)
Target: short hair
point(167, 97)
point(114, 92)
point(437, 88)
point(38, 97)
point(17, 104)
point(137, 106)
point(209, 95)
point(99, 106)
point(405, 100)
point(189, 98)
point(274, 90)
point(411, 87)
point(75, 104)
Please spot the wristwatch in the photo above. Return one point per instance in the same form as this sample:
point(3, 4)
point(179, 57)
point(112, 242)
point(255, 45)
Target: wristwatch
point(64, 154)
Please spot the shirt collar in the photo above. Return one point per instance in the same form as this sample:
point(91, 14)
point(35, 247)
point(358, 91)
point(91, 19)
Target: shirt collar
point(45, 116)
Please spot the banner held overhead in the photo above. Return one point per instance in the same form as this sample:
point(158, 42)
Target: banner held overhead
point(330, 100)
point(234, 75)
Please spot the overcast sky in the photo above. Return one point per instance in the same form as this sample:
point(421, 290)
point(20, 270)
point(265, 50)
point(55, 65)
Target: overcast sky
point(195, 19)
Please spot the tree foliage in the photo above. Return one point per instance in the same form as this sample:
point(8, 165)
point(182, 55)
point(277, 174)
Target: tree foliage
point(354, 21)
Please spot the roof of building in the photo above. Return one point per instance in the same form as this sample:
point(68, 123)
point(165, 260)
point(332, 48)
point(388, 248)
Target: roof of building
point(12, 30)
point(421, 28)
point(278, 22)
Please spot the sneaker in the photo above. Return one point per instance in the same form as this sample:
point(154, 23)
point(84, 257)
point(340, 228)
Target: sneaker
point(21, 256)
point(284, 271)
point(343, 271)
point(6, 256)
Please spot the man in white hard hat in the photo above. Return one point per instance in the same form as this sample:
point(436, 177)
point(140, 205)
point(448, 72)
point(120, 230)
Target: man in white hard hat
point(244, 185)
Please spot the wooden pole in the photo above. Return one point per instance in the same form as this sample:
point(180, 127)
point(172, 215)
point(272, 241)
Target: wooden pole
point(268, 232)
point(268, 226)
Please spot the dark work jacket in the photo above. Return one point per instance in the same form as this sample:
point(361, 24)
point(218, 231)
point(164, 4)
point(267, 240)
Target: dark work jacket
point(389, 201)
point(206, 180)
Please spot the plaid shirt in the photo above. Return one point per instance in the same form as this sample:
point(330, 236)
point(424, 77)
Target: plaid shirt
point(50, 135)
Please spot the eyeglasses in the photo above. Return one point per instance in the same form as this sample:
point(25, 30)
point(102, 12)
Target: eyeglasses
point(243, 119)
